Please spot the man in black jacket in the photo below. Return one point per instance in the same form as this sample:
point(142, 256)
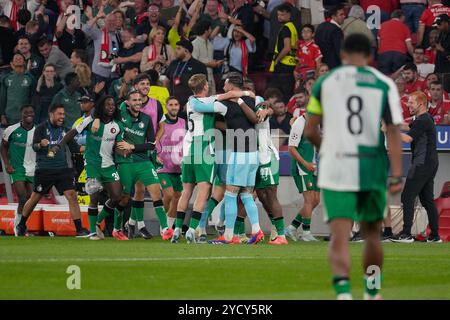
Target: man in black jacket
point(329, 37)
point(52, 169)
point(420, 179)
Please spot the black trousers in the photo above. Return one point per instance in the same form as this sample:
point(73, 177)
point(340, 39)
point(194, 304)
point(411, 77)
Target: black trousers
point(420, 182)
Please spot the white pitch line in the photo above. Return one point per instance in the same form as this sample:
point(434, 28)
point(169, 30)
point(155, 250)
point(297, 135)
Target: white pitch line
point(149, 259)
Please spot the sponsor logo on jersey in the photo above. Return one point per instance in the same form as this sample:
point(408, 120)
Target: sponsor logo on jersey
point(135, 132)
point(18, 135)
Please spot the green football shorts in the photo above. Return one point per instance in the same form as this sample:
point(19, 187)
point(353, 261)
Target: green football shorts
point(306, 183)
point(268, 175)
point(368, 206)
point(132, 172)
point(171, 180)
point(104, 175)
point(21, 176)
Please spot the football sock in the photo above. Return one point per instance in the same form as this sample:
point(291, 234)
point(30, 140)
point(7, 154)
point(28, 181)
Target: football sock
point(231, 210)
point(180, 219)
point(306, 224)
point(210, 205)
point(141, 224)
point(297, 221)
point(170, 222)
point(239, 225)
point(271, 218)
point(195, 219)
point(279, 225)
point(77, 223)
point(252, 211)
point(23, 221)
point(92, 216)
point(222, 215)
point(160, 213)
point(341, 285)
point(106, 211)
point(118, 218)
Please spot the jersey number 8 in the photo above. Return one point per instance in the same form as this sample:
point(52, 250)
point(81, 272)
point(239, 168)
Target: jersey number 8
point(355, 105)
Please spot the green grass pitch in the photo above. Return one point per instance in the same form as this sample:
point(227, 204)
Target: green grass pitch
point(35, 268)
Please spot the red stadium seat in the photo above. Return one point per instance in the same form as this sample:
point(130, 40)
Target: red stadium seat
point(443, 208)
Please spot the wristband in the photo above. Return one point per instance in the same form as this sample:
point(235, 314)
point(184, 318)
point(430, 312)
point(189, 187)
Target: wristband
point(247, 93)
point(393, 181)
point(240, 101)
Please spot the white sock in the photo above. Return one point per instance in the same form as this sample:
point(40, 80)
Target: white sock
point(116, 230)
point(191, 230)
point(132, 222)
point(221, 223)
point(202, 231)
point(229, 234)
point(292, 228)
point(141, 224)
point(170, 221)
point(255, 228)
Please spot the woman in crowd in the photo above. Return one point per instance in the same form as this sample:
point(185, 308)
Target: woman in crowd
point(157, 55)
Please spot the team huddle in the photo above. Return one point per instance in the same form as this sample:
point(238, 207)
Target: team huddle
point(224, 149)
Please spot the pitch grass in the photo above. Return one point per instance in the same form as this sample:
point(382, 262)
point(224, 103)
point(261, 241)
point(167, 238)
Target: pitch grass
point(35, 268)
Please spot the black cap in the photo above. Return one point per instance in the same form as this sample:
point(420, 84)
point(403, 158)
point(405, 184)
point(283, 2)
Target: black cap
point(441, 18)
point(86, 98)
point(186, 44)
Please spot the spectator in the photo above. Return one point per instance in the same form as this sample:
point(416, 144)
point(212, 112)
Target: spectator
point(437, 106)
point(34, 63)
point(12, 8)
point(106, 46)
point(283, 63)
point(157, 90)
point(401, 85)
point(119, 88)
point(413, 81)
point(69, 37)
point(137, 11)
point(433, 77)
point(309, 85)
point(8, 41)
point(443, 50)
point(394, 43)
point(68, 97)
point(386, 7)
point(169, 10)
point(181, 28)
point(309, 56)
point(203, 51)
point(329, 37)
point(157, 55)
point(266, 13)
point(212, 15)
point(120, 20)
point(413, 10)
point(78, 56)
point(53, 55)
point(280, 121)
point(34, 29)
point(428, 19)
point(181, 69)
point(16, 90)
point(152, 21)
point(430, 52)
point(424, 68)
point(322, 69)
point(236, 50)
point(355, 23)
point(129, 50)
point(47, 87)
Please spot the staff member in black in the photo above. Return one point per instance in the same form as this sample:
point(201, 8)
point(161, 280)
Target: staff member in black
point(180, 71)
point(52, 169)
point(420, 179)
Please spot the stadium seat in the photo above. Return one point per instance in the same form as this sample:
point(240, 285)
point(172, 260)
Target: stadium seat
point(443, 208)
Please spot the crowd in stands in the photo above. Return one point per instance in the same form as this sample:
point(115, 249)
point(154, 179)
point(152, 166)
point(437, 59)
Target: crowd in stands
point(55, 51)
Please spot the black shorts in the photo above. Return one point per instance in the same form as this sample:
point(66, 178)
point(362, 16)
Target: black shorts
point(62, 179)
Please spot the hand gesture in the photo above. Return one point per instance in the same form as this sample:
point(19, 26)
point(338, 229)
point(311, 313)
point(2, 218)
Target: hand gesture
point(99, 86)
point(44, 143)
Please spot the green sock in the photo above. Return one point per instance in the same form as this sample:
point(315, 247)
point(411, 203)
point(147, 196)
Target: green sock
point(106, 211)
point(137, 210)
point(372, 285)
point(92, 216)
point(279, 225)
point(118, 220)
point(160, 213)
point(341, 284)
point(210, 205)
point(239, 225)
point(180, 219)
point(306, 224)
point(195, 219)
point(297, 221)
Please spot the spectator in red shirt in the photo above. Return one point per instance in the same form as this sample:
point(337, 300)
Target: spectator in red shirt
point(386, 7)
point(394, 43)
point(401, 84)
point(413, 81)
point(427, 20)
point(438, 107)
point(423, 66)
point(413, 9)
point(430, 52)
point(434, 77)
point(308, 53)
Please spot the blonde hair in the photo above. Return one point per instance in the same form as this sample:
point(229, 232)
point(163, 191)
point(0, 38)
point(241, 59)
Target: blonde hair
point(419, 97)
point(84, 74)
point(152, 33)
point(197, 82)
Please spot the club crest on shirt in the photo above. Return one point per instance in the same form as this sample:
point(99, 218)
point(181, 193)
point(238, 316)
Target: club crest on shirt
point(113, 130)
point(141, 125)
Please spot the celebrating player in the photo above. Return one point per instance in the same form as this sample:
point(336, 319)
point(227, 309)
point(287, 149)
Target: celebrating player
point(19, 156)
point(304, 172)
point(350, 103)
